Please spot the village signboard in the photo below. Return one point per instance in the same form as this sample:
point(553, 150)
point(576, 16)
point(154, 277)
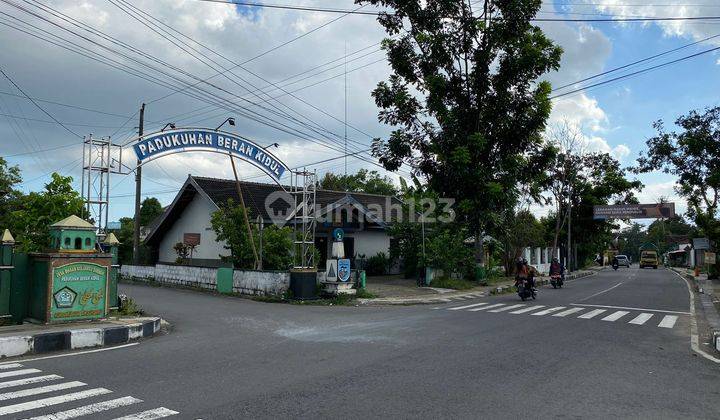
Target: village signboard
point(182, 140)
point(79, 291)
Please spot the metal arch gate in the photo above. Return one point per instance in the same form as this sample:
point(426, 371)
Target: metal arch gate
point(303, 183)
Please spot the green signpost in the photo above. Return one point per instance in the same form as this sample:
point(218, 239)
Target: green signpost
point(79, 291)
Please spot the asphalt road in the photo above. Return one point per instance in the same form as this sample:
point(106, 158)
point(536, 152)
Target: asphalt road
point(234, 358)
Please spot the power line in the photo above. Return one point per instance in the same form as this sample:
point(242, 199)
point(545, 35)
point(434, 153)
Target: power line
point(37, 105)
point(66, 105)
point(266, 52)
point(652, 57)
point(275, 124)
point(645, 70)
point(372, 13)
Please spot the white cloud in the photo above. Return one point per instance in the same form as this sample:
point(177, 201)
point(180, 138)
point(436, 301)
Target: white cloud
point(695, 30)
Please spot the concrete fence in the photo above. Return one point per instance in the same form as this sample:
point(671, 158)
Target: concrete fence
point(244, 281)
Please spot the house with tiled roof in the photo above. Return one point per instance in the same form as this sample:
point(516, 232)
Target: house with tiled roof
point(364, 218)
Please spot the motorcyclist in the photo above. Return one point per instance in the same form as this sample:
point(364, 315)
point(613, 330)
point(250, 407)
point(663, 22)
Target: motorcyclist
point(556, 268)
point(615, 262)
point(524, 272)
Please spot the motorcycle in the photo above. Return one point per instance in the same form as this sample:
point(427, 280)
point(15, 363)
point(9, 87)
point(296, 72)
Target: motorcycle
point(525, 291)
point(615, 266)
point(557, 281)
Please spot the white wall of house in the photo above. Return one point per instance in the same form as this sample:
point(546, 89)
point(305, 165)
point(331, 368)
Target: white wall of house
point(195, 219)
point(369, 243)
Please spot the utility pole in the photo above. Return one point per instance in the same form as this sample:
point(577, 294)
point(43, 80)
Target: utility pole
point(569, 249)
point(245, 212)
point(138, 191)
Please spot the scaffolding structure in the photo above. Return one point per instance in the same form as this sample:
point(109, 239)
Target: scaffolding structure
point(303, 189)
point(101, 158)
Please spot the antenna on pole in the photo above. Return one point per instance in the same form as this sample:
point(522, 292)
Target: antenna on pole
point(345, 108)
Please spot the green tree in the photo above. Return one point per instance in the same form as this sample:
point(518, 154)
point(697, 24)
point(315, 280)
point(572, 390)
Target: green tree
point(522, 230)
point(465, 100)
point(664, 233)
point(370, 182)
point(9, 178)
point(692, 154)
point(228, 222)
point(150, 208)
point(36, 211)
point(631, 239)
point(603, 181)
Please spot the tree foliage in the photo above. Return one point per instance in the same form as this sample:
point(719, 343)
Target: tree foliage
point(150, 208)
point(693, 155)
point(465, 100)
point(229, 224)
point(370, 182)
point(9, 179)
point(522, 230)
point(32, 214)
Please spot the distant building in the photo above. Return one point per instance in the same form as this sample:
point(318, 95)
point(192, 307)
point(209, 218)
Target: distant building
point(189, 217)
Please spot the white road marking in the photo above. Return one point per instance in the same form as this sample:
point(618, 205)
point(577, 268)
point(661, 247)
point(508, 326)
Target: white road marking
point(549, 311)
point(26, 381)
point(568, 312)
point(532, 308)
point(694, 339)
point(457, 308)
point(486, 307)
point(157, 413)
point(507, 308)
point(600, 293)
point(90, 409)
point(615, 316)
point(632, 309)
point(641, 319)
point(668, 321)
point(18, 372)
point(40, 390)
point(77, 353)
point(10, 366)
point(592, 314)
point(46, 402)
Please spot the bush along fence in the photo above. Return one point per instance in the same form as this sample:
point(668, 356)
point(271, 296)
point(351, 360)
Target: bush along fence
point(224, 280)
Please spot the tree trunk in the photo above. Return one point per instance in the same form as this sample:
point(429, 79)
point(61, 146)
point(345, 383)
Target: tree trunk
point(479, 249)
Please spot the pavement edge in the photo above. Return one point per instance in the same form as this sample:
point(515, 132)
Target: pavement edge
point(81, 338)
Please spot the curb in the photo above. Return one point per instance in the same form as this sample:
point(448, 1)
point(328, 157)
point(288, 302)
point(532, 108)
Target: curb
point(708, 308)
point(461, 296)
point(77, 338)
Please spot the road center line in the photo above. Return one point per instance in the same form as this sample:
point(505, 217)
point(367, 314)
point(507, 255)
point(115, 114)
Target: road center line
point(632, 309)
point(600, 293)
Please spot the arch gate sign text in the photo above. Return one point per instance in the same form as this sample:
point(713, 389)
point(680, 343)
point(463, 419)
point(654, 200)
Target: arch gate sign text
point(168, 142)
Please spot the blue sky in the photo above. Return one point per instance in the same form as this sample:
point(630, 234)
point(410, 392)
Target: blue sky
point(616, 118)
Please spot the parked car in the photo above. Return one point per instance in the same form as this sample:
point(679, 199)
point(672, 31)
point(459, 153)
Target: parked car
point(623, 260)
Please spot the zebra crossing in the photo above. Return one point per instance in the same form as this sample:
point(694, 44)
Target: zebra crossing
point(661, 319)
point(29, 393)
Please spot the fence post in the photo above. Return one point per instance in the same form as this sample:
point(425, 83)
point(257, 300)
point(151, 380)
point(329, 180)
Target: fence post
point(7, 243)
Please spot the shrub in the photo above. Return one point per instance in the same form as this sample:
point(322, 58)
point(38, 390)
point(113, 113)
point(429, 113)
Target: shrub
point(377, 265)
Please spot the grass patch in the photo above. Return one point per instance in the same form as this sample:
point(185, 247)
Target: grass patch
point(128, 307)
point(457, 284)
point(363, 293)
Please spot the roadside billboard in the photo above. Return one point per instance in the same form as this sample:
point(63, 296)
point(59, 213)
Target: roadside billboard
point(634, 211)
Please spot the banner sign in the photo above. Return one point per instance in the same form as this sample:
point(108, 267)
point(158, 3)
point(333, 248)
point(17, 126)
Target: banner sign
point(701, 243)
point(634, 211)
point(709, 257)
point(343, 270)
point(184, 140)
point(79, 291)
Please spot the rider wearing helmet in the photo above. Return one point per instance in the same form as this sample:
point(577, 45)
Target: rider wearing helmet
point(556, 268)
